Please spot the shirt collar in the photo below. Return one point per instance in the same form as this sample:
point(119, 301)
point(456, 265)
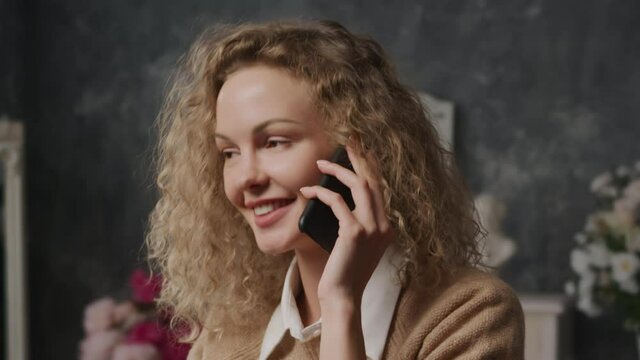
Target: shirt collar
point(378, 304)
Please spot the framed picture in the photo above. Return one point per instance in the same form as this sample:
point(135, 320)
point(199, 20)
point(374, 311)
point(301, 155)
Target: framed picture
point(441, 113)
point(14, 316)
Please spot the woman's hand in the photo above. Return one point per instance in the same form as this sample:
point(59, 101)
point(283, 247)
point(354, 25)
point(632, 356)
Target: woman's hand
point(364, 233)
point(363, 237)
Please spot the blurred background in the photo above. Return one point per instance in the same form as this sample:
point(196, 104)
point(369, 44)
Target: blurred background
point(546, 96)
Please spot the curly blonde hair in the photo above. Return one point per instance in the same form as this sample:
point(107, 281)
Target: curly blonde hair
point(214, 274)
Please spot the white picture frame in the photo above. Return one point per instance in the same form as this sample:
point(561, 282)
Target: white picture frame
point(441, 112)
point(11, 155)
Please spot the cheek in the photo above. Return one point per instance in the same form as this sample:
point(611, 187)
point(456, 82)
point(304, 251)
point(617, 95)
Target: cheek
point(230, 190)
point(299, 175)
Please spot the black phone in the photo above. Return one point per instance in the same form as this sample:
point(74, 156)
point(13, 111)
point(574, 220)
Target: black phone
point(317, 219)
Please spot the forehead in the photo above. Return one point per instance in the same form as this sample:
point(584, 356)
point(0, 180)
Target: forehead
point(257, 93)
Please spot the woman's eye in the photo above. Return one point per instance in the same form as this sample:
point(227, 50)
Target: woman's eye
point(271, 143)
point(228, 154)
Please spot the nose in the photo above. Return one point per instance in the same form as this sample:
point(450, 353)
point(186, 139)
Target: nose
point(252, 176)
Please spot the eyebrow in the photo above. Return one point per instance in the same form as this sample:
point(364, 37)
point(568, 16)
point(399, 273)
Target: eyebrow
point(260, 127)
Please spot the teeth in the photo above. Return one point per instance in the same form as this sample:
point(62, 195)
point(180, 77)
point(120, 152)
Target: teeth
point(267, 208)
point(263, 209)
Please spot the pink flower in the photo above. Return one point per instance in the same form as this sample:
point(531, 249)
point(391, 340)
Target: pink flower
point(123, 311)
point(126, 314)
point(171, 349)
point(99, 315)
point(136, 352)
point(145, 288)
point(100, 345)
point(152, 332)
point(146, 332)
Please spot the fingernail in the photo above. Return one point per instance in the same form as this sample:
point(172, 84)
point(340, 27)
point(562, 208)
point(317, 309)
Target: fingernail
point(322, 162)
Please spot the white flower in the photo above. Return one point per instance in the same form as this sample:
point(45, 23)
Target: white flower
point(604, 279)
point(98, 315)
point(611, 220)
point(580, 261)
point(587, 306)
point(592, 225)
point(586, 282)
point(609, 191)
point(633, 240)
point(570, 288)
point(136, 351)
point(625, 266)
point(625, 210)
point(632, 191)
point(580, 238)
point(600, 182)
point(599, 254)
point(126, 314)
point(99, 345)
point(630, 285)
point(623, 171)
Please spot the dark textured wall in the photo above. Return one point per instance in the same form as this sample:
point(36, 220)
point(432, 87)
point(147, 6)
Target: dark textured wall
point(546, 92)
point(12, 51)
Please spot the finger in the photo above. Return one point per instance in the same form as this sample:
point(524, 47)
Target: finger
point(359, 190)
point(337, 204)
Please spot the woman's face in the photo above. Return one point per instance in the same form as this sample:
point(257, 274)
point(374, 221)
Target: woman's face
point(271, 135)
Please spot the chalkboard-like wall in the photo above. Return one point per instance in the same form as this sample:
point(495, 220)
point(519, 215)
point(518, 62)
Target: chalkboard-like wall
point(546, 97)
point(12, 49)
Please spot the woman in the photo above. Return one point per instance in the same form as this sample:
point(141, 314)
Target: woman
point(245, 134)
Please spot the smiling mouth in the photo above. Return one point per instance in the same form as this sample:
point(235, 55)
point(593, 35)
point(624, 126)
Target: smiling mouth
point(265, 209)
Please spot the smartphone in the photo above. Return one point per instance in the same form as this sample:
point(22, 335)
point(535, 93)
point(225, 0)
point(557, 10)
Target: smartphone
point(317, 219)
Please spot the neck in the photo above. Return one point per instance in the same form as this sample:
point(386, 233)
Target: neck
point(311, 263)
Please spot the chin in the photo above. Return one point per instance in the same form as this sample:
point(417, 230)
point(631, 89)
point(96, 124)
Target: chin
point(276, 244)
point(271, 248)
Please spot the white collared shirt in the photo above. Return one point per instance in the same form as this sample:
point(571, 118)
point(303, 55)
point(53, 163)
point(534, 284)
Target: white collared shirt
point(378, 304)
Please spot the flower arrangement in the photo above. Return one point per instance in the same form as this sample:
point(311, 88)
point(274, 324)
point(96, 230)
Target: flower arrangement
point(132, 329)
point(606, 260)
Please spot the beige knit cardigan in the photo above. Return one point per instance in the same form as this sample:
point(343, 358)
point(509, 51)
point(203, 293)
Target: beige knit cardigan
point(470, 315)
